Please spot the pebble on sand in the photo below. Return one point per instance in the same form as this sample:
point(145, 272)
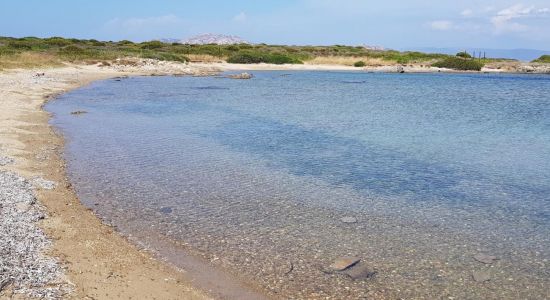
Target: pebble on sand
point(343, 263)
point(43, 183)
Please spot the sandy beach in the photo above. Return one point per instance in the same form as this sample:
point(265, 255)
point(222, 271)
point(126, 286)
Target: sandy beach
point(86, 259)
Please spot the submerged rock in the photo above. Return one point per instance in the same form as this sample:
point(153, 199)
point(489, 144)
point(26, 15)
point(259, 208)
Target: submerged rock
point(79, 112)
point(343, 263)
point(348, 220)
point(485, 258)
point(166, 210)
point(481, 276)
point(360, 271)
point(241, 76)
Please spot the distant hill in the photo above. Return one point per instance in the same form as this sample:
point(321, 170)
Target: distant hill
point(209, 38)
point(519, 54)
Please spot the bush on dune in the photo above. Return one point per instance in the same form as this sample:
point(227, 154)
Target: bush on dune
point(457, 63)
point(463, 54)
point(152, 45)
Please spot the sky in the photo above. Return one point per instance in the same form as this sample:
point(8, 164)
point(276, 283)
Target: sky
point(393, 24)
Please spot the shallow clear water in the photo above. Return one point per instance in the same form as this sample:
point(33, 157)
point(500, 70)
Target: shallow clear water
point(254, 175)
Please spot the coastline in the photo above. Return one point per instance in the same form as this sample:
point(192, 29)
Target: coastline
point(497, 68)
point(99, 263)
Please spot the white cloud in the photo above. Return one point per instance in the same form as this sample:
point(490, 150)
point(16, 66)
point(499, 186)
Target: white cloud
point(240, 18)
point(503, 21)
point(442, 25)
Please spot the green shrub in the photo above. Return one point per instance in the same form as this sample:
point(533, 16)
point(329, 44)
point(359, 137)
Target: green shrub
point(97, 43)
point(543, 59)
point(20, 45)
point(152, 45)
point(125, 42)
point(250, 57)
point(359, 64)
point(57, 41)
point(233, 48)
point(73, 53)
point(464, 54)
point(457, 63)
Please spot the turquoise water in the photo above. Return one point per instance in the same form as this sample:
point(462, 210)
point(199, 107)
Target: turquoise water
point(255, 175)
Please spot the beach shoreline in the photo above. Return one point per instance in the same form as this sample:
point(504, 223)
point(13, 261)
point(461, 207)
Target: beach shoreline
point(98, 262)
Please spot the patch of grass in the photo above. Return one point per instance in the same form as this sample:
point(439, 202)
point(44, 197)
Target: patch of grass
point(152, 45)
point(543, 59)
point(359, 64)
point(27, 60)
point(458, 63)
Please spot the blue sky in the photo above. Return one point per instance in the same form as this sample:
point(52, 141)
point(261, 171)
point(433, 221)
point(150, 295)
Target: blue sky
point(389, 23)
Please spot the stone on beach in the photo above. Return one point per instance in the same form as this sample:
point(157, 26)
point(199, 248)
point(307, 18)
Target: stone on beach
point(43, 183)
point(343, 263)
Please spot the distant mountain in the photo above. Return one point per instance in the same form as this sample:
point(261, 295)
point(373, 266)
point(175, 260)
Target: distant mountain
point(209, 38)
point(519, 54)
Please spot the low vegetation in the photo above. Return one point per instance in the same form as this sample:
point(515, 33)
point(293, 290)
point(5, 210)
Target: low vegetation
point(459, 63)
point(32, 51)
point(255, 57)
point(543, 59)
point(464, 54)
